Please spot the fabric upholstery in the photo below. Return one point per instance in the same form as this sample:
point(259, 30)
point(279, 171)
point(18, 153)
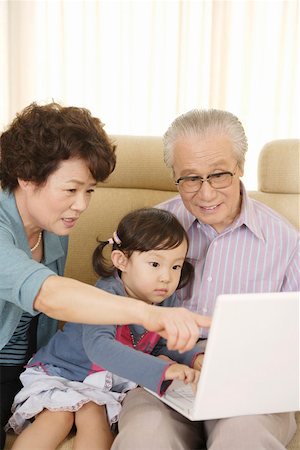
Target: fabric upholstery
point(278, 167)
point(141, 179)
point(140, 164)
point(286, 204)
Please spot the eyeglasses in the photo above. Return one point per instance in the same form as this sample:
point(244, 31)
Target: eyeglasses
point(220, 180)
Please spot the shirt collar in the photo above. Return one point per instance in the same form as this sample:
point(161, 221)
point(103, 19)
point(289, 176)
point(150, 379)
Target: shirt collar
point(184, 216)
point(248, 215)
point(53, 248)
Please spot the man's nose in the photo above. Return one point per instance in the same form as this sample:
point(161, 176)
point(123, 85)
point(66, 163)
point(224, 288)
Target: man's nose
point(206, 192)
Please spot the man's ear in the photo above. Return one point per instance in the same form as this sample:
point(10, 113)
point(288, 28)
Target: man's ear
point(119, 259)
point(241, 170)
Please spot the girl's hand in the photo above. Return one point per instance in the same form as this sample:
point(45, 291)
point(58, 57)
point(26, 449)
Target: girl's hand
point(183, 373)
point(198, 362)
point(179, 326)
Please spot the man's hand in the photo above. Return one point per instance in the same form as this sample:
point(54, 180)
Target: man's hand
point(179, 326)
point(198, 362)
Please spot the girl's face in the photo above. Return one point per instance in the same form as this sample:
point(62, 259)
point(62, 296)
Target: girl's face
point(57, 205)
point(153, 276)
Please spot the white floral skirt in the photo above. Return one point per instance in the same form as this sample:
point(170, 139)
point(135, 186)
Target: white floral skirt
point(55, 393)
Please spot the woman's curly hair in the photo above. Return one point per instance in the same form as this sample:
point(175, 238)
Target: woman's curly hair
point(41, 137)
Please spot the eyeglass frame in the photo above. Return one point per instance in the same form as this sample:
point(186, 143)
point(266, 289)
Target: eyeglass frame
point(211, 175)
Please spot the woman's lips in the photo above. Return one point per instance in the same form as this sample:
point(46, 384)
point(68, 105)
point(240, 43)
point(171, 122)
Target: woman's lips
point(69, 222)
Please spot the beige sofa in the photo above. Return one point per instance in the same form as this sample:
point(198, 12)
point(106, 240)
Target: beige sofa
point(141, 179)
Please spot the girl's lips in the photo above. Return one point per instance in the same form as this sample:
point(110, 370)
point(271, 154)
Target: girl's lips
point(161, 291)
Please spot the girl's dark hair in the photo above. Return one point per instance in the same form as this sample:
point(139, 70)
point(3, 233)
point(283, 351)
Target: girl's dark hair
point(143, 230)
point(41, 137)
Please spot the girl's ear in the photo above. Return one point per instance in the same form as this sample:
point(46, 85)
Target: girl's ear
point(119, 259)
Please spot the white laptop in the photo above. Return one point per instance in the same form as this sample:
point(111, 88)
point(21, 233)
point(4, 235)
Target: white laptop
point(251, 363)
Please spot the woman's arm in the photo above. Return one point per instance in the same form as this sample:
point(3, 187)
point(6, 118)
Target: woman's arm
point(70, 300)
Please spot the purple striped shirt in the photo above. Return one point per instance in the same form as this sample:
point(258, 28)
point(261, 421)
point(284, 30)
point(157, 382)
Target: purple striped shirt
point(258, 252)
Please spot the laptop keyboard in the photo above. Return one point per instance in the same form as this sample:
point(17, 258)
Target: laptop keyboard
point(180, 393)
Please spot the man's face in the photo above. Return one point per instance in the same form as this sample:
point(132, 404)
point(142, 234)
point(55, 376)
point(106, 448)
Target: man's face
point(201, 156)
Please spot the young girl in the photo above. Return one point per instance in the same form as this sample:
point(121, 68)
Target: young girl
point(82, 375)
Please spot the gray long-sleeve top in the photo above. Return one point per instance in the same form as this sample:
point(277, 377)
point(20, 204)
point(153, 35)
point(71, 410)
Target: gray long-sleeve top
point(80, 350)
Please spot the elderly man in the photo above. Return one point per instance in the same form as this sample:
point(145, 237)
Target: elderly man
point(237, 245)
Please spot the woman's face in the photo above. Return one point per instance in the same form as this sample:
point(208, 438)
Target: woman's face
point(56, 205)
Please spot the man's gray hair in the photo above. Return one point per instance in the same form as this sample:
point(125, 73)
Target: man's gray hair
point(204, 123)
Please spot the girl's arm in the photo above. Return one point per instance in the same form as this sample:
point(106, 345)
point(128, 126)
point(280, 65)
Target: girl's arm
point(105, 351)
point(71, 300)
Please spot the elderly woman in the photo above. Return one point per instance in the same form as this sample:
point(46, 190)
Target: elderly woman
point(51, 159)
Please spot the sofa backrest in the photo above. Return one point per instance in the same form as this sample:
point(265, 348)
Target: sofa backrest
point(141, 179)
point(278, 178)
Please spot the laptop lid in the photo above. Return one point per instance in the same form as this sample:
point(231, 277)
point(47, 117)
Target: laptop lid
point(251, 363)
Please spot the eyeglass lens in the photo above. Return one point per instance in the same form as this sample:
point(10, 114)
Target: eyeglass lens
point(217, 181)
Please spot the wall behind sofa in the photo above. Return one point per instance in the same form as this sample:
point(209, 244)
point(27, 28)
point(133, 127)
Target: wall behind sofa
point(138, 64)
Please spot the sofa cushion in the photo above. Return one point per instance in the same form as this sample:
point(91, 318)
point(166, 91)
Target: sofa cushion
point(278, 167)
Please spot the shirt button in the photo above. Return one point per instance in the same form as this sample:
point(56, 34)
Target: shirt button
point(209, 279)
point(215, 244)
point(204, 310)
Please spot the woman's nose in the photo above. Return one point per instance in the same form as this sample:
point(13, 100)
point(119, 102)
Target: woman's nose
point(80, 203)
